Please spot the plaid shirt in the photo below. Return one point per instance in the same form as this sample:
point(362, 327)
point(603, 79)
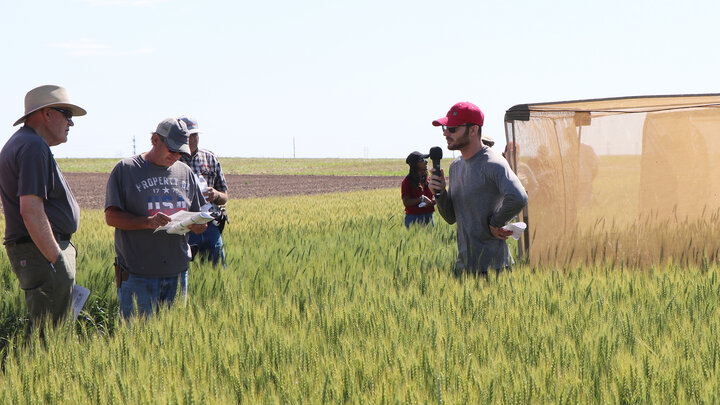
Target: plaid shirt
point(204, 163)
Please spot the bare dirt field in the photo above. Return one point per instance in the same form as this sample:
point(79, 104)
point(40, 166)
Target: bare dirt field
point(89, 188)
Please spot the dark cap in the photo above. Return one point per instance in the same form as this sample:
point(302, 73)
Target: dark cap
point(176, 135)
point(191, 124)
point(415, 157)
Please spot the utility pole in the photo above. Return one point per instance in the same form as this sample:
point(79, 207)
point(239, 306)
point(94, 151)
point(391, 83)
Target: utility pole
point(293, 147)
point(133, 145)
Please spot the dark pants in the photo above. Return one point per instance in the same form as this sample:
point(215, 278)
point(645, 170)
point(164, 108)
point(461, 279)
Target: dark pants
point(425, 219)
point(48, 288)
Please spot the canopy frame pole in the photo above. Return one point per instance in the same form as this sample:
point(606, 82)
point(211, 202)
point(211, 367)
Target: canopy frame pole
point(524, 244)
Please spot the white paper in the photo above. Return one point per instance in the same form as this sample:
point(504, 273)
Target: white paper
point(517, 229)
point(180, 221)
point(202, 184)
point(80, 294)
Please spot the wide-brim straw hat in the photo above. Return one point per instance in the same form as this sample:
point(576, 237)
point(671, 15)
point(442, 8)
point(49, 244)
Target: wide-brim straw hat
point(487, 140)
point(48, 96)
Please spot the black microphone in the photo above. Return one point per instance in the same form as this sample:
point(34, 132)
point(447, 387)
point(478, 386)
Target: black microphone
point(435, 156)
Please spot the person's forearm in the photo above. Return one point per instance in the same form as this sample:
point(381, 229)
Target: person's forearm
point(513, 203)
point(222, 198)
point(412, 202)
point(445, 207)
point(126, 221)
point(32, 210)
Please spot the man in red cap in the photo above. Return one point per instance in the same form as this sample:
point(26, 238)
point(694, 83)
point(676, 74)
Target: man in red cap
point(483, 195)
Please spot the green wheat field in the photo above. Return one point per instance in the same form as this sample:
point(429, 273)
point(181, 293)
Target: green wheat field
point(331, 167)
point(329, 299)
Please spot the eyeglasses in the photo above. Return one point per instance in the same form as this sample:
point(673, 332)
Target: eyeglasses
point(66, 113)
point(453, 129)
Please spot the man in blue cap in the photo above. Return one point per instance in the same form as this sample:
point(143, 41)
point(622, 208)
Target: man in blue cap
point(206, 166)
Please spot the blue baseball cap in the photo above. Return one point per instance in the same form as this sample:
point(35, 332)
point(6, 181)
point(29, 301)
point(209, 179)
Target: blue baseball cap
point(191, 123)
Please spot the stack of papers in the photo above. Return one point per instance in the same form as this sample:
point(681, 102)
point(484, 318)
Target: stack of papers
point(180, 221)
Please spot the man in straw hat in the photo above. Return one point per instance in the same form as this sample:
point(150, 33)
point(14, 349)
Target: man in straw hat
point(41, 213)
point(488, 141)
point(483, 195)
point(142, 192)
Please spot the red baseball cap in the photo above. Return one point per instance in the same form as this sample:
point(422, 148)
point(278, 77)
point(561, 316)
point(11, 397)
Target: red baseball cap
point(461, 113)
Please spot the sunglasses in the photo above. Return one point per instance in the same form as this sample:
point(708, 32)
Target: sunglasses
point(453, 129)
point(66, 113)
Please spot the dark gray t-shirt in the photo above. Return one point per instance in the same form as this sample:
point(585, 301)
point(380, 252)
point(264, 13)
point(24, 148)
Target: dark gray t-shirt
point(27, 167)
point(144, 189)
point(482, 190)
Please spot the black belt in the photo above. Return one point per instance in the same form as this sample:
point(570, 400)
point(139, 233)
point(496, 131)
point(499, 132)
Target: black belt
point(59, 237)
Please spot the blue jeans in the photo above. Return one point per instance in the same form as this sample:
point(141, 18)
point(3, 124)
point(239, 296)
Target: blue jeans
point(149, 292)
point(424, 219)
point(210, 245)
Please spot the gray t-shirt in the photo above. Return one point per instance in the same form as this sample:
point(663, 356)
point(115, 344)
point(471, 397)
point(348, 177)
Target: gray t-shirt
point(482, 190)
point(144, 189)
point(27, 167)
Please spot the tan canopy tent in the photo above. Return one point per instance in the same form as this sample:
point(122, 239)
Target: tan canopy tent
point(602, 173)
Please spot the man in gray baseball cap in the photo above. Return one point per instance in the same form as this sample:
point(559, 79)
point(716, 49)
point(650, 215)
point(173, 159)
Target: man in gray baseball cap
point(41, 213)
point(176, 135)
point(143, 191)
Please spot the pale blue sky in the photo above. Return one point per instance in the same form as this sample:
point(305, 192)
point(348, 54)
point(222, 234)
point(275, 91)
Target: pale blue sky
point(346, 79)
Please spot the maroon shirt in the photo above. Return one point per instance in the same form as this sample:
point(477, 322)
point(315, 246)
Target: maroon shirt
point(414, 191)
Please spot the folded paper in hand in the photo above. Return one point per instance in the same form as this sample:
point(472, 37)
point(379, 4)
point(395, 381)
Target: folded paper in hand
point(517, 229)
point(80, 294)
point(180, 221)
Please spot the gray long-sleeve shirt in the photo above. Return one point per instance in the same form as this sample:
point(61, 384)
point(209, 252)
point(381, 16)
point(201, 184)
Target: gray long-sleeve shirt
point(482, 191)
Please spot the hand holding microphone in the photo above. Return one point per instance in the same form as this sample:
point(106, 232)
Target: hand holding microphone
point(437, 179)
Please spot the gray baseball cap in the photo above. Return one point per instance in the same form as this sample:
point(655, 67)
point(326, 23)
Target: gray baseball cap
point(176, 135)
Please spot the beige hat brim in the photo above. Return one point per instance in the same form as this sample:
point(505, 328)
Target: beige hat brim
point(49, 95)
point(76, 110)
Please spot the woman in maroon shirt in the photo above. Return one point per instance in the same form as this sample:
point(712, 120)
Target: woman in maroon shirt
point(419, 201)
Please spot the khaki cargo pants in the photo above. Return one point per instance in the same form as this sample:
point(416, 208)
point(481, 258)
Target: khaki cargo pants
point(48, 288)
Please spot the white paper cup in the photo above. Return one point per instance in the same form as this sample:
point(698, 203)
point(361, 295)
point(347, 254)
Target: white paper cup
point(517, 229)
